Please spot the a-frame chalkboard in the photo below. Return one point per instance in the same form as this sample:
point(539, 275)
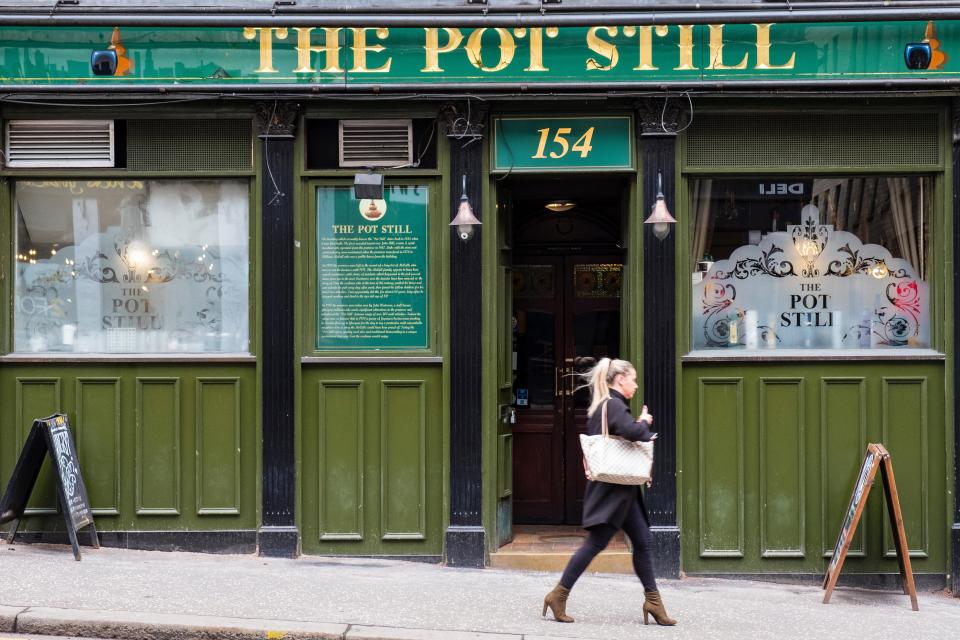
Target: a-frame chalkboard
point(876, 457)
point(50, 436)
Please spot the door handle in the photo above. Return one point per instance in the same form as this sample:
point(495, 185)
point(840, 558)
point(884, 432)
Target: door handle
point(556, 382)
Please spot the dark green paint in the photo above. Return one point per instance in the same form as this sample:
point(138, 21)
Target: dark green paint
point(563, 144)
point(770, 454)
point(155, 441)
point(873, 50)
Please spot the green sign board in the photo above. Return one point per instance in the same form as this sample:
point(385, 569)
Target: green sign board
point(563, 144)
point(460, 56)
point(372, 277)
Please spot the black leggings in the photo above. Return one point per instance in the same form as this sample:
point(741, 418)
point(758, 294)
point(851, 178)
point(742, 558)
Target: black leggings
point(636, 528)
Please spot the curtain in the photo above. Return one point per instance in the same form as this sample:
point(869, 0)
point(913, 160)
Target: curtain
point(905, 218)
point(703, 222)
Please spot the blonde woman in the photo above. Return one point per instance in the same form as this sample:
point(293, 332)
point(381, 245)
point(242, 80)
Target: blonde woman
point(607, 507)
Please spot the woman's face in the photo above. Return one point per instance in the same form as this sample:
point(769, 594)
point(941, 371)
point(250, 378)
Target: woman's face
point(626, 383)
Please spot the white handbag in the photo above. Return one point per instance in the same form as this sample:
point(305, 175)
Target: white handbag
point(612, 459)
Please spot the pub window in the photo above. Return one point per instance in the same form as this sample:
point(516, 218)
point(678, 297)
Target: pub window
point(811, 262)
point(132, 266)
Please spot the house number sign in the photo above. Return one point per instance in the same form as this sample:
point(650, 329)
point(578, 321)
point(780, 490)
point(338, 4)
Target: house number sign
point(563, 144)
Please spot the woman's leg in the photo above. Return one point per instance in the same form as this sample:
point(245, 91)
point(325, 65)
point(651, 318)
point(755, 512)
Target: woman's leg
point(597, 540)
point(638, 530)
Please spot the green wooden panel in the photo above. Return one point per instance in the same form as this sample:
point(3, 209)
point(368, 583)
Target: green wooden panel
point(843, 424)
point(811, 427)
point(218, 446)
point(341, 460)
point(158, 446)
point(403, 472)
point(905, 435)
point(505, 465)
point(131, 421)
point(721, 467)
point(38, 398)
point(97, 432)
point(372, 459)
point(782, 467)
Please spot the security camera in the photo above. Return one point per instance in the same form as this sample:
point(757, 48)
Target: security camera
point(917, 55)
point(103, 63)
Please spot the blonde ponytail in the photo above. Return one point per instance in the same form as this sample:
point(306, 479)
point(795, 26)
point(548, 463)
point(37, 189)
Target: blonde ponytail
point(601, 376)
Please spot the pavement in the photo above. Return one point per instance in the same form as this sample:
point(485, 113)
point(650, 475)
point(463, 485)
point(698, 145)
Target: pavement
point(152, 595)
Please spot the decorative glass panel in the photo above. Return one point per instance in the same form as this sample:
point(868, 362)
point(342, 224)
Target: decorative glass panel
point(597, 280)
point(151, 266)
point(824, 263)
point(533, 281)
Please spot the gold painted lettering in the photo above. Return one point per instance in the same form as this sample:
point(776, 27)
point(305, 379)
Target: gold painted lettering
point(433, 48)
point(508, 48)
point(646, 45)
point(763, 50)
point(686, 48)
point(330, 49)
point(600, 46)
point(360, 49)
point(266, 44)
point(536, 45)
point(716, 50)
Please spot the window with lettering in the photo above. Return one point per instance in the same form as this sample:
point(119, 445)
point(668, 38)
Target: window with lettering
point(811, 262)
point(134, 266)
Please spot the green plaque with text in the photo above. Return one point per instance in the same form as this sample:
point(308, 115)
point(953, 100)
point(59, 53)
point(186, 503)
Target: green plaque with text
point(372, 278)
point(563, 144)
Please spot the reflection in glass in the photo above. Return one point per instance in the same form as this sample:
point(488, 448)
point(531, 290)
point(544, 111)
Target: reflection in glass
point(823, 262)
point(132, 266)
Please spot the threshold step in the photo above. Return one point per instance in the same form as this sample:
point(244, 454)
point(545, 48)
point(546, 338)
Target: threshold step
point(555, 561)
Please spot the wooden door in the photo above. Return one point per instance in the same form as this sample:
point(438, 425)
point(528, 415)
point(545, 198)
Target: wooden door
point(567, 311)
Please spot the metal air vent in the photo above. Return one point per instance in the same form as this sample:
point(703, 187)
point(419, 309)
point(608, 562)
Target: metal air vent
point(59, 143)
point(376, 143)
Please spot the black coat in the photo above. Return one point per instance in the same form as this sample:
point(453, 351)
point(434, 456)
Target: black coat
point(603, 502)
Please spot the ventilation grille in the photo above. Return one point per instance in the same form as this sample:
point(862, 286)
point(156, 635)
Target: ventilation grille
point(59, 143)
point(189, 145)
point(813, 140)
point(376, 143)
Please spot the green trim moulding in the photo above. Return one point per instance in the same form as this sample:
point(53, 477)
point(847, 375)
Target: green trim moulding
point(438, 56)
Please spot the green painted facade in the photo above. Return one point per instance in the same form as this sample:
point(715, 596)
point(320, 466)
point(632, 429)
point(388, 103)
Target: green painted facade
point(336, 56)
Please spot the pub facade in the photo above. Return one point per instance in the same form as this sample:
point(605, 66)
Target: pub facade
point(318, 282)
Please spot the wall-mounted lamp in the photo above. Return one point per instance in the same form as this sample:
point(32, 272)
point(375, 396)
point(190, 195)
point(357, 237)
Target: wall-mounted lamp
point(368, 186)
point(559, 206)
point(464, 221)
point(660, 218)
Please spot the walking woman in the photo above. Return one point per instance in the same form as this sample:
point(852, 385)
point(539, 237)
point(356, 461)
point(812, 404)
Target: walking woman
point(607, 507)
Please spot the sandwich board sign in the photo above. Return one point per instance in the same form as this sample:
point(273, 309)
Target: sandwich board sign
point(50, 436)
point(875, 458)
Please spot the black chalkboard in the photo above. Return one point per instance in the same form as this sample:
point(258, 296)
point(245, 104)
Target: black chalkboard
point(50, 436)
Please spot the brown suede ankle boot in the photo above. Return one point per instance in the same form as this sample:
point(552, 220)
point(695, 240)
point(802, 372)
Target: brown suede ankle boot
point(654, 606)
point(556, 600)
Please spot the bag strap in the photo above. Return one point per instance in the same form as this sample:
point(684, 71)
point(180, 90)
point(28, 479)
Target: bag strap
point(605, 428)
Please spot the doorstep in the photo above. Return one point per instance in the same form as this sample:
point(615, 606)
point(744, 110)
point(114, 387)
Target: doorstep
point(549, 548)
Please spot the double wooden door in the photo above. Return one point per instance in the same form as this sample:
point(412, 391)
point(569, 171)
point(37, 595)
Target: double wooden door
point(566, 317)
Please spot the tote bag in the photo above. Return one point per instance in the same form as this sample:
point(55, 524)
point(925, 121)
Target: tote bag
point(612, 459)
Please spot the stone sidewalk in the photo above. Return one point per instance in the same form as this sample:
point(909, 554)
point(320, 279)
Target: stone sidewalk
point(158, 595)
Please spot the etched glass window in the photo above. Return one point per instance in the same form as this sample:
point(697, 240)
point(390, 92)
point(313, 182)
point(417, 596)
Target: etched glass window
point(811, 263)
point(154, 266)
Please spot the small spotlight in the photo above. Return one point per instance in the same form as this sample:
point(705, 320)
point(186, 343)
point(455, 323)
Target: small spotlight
point(368, 186)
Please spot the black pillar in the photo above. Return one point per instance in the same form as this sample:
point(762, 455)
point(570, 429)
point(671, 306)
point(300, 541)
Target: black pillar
point(276, 124)
point(658, 152)
point(465, 539)
point(955, 528)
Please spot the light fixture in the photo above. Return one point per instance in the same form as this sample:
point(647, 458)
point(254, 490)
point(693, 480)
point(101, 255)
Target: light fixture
point(368, 186)
point(464, 221)
point(559, 206)
point(660, 217)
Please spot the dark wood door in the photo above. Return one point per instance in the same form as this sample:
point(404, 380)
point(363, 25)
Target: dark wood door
point(567, 316)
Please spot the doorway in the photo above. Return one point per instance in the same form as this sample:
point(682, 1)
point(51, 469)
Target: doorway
point(567, 274)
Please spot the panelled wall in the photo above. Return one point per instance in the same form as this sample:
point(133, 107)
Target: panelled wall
point(770, 455)
point(162, 447)
point(371, 460)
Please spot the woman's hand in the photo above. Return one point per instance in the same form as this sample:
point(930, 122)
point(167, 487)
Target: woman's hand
point(645, 416)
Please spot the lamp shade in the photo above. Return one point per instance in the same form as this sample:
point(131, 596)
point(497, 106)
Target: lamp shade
point(464, 221)
point(660, 218)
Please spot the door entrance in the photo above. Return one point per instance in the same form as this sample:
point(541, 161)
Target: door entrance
point(567, 271)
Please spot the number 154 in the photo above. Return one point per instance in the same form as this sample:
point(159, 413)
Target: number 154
point(561, 140)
